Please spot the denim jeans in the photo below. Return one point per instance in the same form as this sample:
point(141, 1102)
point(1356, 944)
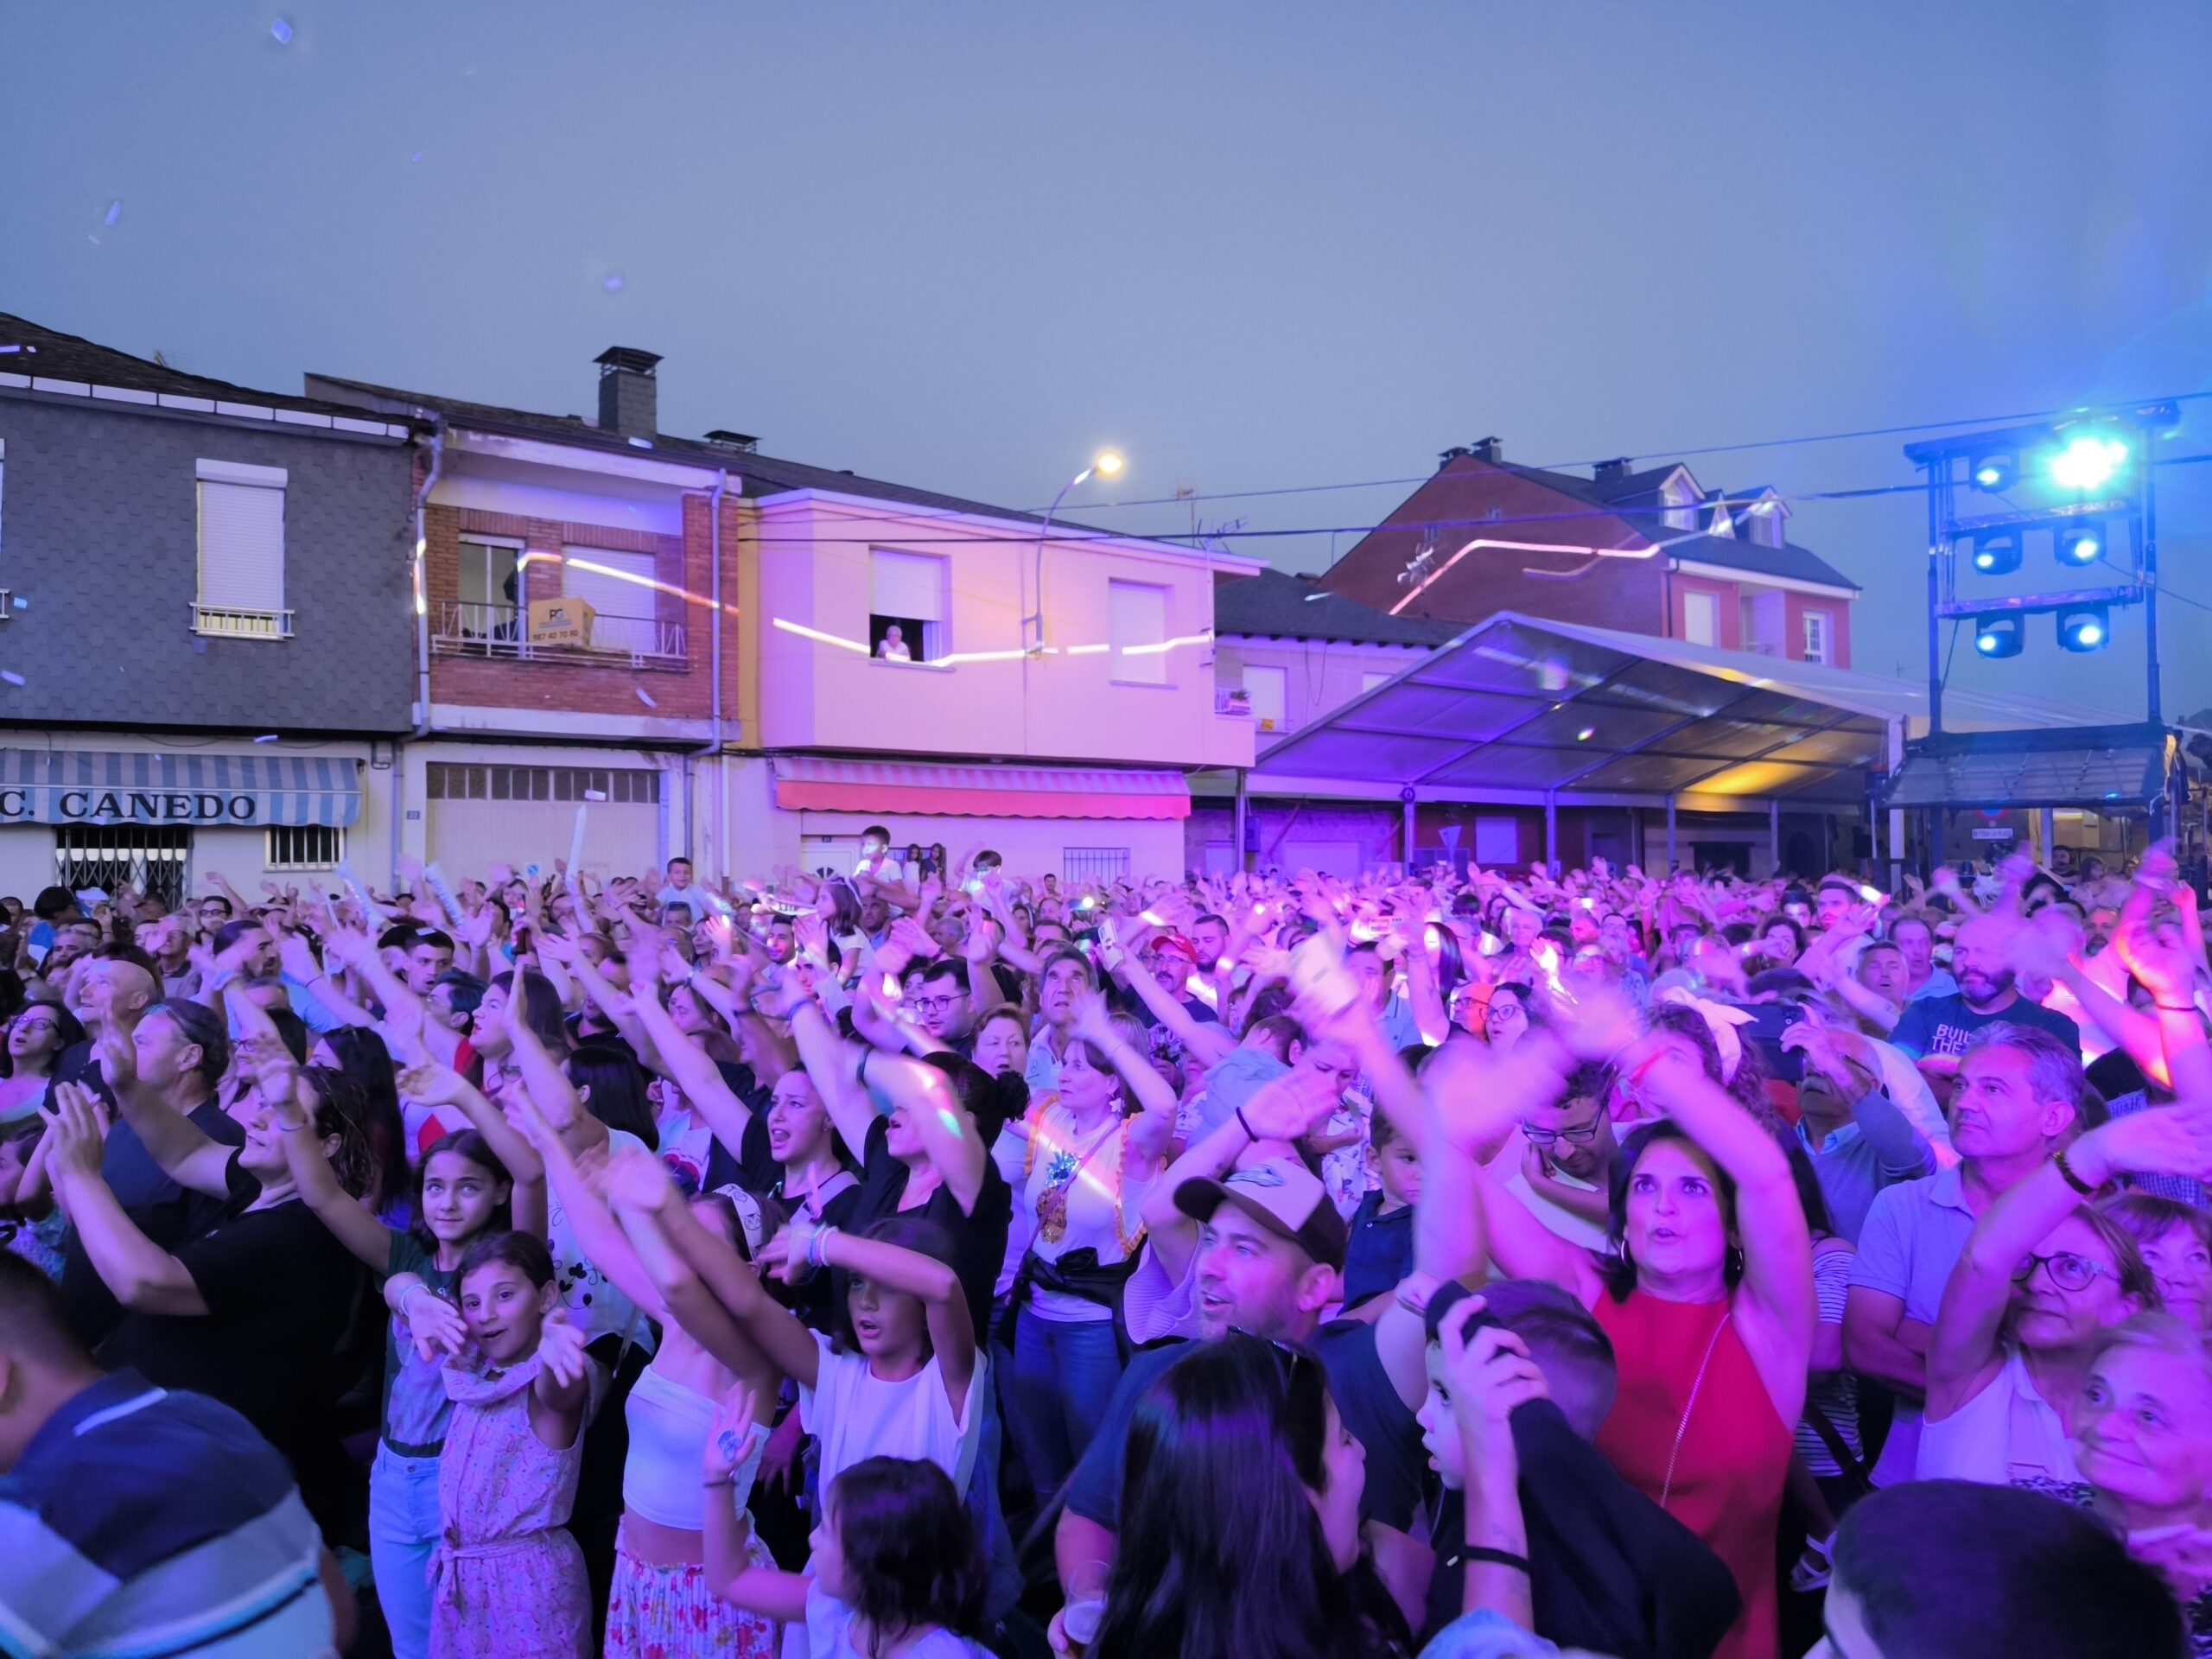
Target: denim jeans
point(1065, 1374)
point(402, 1531)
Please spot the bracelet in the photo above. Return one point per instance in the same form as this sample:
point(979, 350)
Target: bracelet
point(1245, 1123)
point(2175, 1007)
point(727, 1480)
point(1501, 1557)
point(817, 1247)
point(2073, 1180)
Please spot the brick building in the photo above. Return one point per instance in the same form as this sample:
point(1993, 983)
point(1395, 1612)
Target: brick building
point(205, 632)
point(1649, 551)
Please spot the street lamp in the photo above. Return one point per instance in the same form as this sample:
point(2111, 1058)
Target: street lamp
point(1107, 463)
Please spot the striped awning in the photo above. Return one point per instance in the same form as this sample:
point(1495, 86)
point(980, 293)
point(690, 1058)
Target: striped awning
point(805, 783)
point(127, 786)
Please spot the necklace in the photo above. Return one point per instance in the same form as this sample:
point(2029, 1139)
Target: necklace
point(1690, 1405)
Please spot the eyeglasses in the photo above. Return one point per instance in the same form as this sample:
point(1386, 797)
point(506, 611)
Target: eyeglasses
point(1581, 1137)
point(2068, 1271)
point(930, 1004)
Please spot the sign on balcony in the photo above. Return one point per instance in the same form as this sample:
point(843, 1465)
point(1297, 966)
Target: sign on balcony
point(564, 621)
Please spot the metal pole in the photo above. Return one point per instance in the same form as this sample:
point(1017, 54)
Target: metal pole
point(2047, 829)
point(1673, 861)
point(1936, 478)
point(1409, 832)
point(1243, 812)
point(1551, 833)
point(1774, 833)
point(2150, 569)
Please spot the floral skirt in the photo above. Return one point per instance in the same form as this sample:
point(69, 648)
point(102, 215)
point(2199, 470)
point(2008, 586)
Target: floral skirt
point(668, 1612)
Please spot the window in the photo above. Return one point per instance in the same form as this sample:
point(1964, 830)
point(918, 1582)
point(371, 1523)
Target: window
point(1816, 635)
point(241, 552)
point(305, 847)
point(619, 586)
point(906, 596)
point(1766, 523)
point(1497, 841)
point(1700, 618)
point(1099, 864)
point(491, 591)
point(1678, 500)
point(1373, 677)
point(1267, 688)
point(445, 781)
point(1137, 625)
point(149, 857)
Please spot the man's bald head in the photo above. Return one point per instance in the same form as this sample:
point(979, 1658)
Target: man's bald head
point(114, 991)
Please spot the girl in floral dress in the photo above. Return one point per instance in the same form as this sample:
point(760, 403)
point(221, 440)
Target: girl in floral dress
point(506, 1581)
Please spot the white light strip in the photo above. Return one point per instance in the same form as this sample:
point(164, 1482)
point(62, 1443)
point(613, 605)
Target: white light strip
point(820, 637)
point(1481, 542)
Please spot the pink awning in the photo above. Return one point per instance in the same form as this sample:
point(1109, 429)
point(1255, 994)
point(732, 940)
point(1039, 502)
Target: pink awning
point(803, 783)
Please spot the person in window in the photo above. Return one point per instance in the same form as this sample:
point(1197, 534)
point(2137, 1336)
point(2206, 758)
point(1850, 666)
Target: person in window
point(893, 648)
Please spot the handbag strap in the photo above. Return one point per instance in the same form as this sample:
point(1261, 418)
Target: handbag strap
point(1839, 1449)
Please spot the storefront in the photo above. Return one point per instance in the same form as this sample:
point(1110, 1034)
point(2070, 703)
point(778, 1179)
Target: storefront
point(162, 816)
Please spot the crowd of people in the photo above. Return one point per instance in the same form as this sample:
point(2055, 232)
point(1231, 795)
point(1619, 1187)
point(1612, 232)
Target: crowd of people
point(926, 1261)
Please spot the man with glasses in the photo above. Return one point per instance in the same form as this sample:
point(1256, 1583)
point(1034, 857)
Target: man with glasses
point(1570, 1144)
point(2015, 1106)
point(944, 1006)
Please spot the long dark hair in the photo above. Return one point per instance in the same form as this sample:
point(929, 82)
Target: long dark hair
point(541, 1006)
point(361, 1055)
point(910, 1548)
point(341, 1108)
point(472, 1148)
point(1221, 1551)
point(617, 1083)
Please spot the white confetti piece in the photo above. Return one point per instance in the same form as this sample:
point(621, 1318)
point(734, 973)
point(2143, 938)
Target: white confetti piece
point(10, 675)
point(645, 697)
point(282, 31)
point(114, 212)
point(614, 283)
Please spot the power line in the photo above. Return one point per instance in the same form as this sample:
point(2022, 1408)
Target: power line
point(1656, 455)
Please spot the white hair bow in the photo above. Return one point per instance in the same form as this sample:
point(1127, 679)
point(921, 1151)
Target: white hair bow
point(1720, 1019)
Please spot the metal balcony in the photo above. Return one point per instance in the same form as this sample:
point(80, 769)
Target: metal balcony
point(464, 628)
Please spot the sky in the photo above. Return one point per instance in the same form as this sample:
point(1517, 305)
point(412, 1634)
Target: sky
point(1254, 247)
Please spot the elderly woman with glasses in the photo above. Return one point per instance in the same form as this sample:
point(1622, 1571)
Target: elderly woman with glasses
point(2041, 1277)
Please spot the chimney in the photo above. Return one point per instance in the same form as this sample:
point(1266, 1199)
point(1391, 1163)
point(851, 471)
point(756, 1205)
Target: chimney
point(1456, 452)
point(1610, 471)
point(629, 396)
point(729, 439)
point(1489, 450)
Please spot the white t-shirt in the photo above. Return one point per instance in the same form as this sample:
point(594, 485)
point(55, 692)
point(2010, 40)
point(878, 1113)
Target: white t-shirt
point(887, 869)
point(857, 1414)
point(2006, 1435)
point(1563, 1221)
point(827, 1633)
point(596, 1307)
point(1101, 1208)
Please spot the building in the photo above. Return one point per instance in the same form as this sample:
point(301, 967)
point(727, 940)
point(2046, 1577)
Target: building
point(1287, 653)
point(747, 660)
point(1648, 551)
point(204, 623)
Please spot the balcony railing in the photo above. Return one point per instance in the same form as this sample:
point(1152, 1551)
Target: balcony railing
point(228, 622)
point(463, 628)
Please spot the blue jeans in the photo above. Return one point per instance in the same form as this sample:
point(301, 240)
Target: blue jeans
point(402, 1531)
point(1065, 1374)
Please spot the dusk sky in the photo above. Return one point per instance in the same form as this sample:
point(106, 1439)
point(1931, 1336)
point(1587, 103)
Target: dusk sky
point(1258, 247)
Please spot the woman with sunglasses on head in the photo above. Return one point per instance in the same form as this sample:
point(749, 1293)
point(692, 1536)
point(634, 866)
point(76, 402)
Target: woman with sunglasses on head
point(2041, 1277)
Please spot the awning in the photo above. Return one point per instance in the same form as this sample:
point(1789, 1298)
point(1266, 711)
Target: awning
point(1521, 707)
point(2105, 768)
point(806, 782)
point(125, 786)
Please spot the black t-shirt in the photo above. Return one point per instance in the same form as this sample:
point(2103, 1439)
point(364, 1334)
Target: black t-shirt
point(978, 1240)
point(166, 1212)
point(813, 1297)
point(283, 1295)
point(1396, 1466)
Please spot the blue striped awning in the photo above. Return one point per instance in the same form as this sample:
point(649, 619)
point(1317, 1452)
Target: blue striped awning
point(96, 786)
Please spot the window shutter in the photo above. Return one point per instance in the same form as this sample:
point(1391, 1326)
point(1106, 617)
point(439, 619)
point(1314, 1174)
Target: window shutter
point(1136, 614)
point(241, 546)
point(910, 585)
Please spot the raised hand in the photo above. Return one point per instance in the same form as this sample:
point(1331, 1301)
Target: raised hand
point(433, 1325)
point(638, 1181)
point(74, 1133)
point(736, 1414)
point(1292, 1106)
point(560, 1346)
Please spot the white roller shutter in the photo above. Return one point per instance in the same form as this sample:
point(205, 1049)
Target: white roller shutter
point(1136, 614)
point(909, 584)
point(241, 538)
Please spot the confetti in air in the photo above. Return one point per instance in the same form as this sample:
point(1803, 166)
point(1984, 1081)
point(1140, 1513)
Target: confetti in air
point(22, 604)
point(269, 738)
point(613, 285)
point(282, 31)
point(10, 675)
point(114, 212)
point(645, 696)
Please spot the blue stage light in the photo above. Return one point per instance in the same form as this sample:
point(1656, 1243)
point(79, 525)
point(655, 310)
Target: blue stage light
point(1998, 636)
point(2087, 628)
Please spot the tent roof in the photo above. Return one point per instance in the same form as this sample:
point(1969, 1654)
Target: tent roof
point(1518, 705)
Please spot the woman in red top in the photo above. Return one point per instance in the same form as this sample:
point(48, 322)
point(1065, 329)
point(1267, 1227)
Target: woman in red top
point(1707, 1295)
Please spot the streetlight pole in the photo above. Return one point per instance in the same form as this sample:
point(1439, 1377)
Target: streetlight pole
point(1108, 464)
